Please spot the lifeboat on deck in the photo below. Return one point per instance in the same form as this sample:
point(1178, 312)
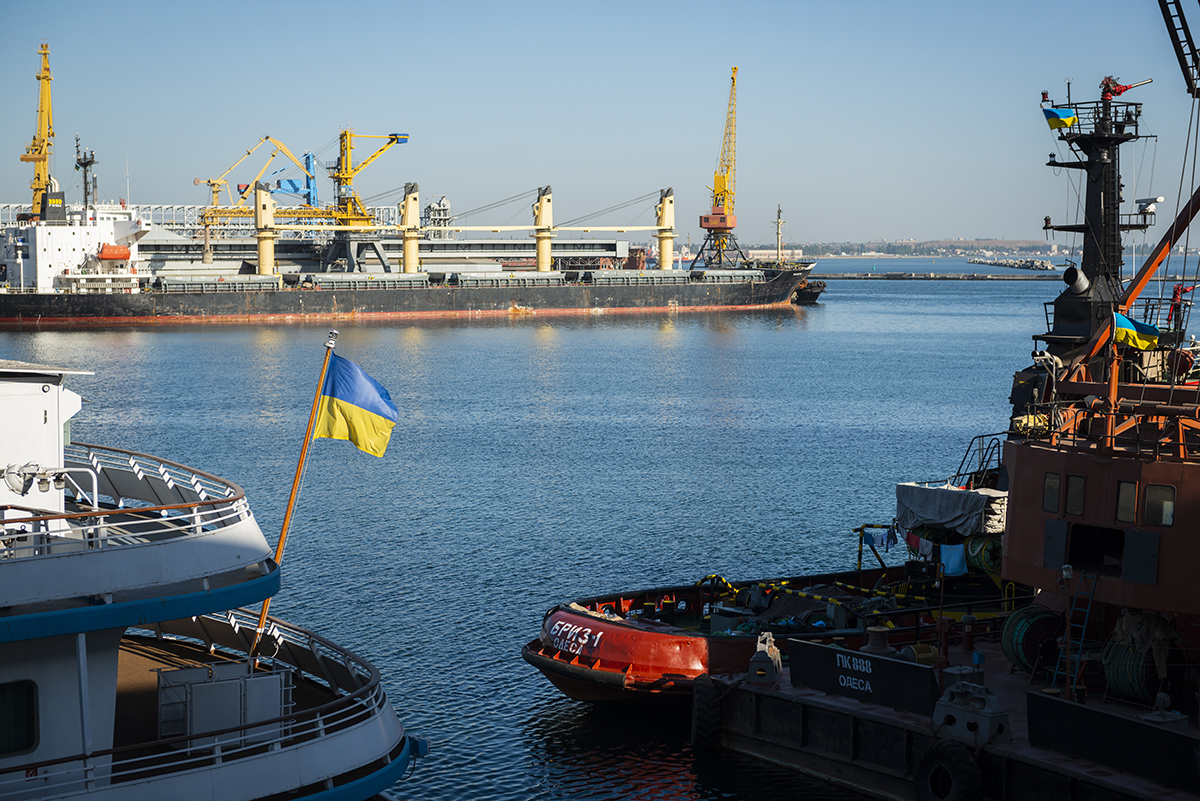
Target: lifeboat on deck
point(113, 253)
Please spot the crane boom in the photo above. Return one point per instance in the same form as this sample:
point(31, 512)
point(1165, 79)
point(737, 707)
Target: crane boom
point(282, 148)
point(215, 184)
point(1185, 48)
point(723, 178)
point(39, 149)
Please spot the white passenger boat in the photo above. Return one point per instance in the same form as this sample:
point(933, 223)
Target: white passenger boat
point(128, 668)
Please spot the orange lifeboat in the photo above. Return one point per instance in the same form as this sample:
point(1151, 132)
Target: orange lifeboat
point(114, 253)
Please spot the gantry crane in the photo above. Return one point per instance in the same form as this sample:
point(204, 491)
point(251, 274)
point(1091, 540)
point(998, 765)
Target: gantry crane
point(720, 249)
point(350, 209)
point(38, 151)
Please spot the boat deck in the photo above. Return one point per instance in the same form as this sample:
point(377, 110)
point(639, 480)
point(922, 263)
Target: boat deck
point(778, 723)
point(137, 686)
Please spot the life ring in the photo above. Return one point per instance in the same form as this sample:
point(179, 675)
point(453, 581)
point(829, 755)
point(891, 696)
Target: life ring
point(608, 609)
point(946, 771)
point(706, 713)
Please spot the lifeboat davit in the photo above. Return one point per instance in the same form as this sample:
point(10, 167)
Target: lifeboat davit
point(114, 253)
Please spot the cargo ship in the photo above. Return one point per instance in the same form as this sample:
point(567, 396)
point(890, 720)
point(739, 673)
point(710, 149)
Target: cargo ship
point(94, 264)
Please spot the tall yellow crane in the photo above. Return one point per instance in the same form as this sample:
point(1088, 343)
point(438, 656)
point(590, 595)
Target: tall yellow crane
point(38, 151)
point(723, 176)
point(720, 248)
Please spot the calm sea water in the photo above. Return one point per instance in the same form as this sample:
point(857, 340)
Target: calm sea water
point(539, 460)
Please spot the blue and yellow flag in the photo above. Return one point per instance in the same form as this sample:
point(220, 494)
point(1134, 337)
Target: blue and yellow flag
point(1131, 332)
point(356, 407)
point(1060, 117)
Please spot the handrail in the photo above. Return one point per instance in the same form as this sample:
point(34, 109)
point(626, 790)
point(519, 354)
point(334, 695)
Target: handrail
point(238, 492)
point(346, 701)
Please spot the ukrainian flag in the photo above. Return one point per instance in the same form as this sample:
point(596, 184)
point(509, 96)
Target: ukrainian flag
point(355, 407)
point(1130, 332)
point(1060, 117)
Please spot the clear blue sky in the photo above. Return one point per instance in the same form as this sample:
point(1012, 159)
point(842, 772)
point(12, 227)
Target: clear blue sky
point(863, 120)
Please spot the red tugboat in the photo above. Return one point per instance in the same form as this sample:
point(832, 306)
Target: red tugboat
point(650, 646)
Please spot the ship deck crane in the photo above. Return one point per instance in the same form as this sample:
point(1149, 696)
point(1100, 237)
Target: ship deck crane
point(38, 151)
point(720, 248)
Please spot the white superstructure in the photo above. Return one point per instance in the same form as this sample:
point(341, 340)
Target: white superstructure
point(94, 250)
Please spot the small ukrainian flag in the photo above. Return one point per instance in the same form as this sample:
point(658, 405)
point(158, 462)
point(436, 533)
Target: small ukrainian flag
point(355, 407)
point(1060, 117)
point(1131, 332)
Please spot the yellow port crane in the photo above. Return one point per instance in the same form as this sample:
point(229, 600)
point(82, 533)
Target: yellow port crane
point(38, 151)
point(217, 184)
point(720, 248)
point(350, 210)
point(215, 213)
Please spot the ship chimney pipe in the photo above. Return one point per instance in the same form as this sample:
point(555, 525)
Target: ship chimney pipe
point(1076, 280)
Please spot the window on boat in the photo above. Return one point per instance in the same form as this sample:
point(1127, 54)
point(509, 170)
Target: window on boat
point(1160, 505)
point(1050, 492)
point(1126, 501)
point(1075, 495)
point(18, 717)
point(1096, 550)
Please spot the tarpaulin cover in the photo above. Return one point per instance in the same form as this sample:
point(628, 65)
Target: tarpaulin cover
point(943, 507)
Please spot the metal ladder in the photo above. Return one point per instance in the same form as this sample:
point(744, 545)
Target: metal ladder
point(1075, 633)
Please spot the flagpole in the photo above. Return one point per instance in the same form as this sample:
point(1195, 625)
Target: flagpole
point(330, 344)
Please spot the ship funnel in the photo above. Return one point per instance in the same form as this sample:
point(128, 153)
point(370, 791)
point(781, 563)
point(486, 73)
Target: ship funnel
point(1076, 280)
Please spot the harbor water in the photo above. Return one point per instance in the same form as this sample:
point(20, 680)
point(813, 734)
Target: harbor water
point(541, 459)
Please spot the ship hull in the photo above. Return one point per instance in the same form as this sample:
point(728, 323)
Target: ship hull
point(288, 304)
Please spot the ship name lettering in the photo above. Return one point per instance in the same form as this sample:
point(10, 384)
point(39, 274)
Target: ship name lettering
point(854, 683)
point(855, 663)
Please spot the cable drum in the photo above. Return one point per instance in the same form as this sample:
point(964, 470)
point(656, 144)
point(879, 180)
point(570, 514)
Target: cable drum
point(1026, 629)
point(984, 553)
point(1143, 656)
point(1128, 672)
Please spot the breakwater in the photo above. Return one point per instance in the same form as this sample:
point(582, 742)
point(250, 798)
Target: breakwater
point(936, 277)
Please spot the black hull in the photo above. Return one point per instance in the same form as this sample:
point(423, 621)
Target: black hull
point(152, 307)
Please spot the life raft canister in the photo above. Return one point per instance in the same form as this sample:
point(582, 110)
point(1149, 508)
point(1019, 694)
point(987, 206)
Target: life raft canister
point(114, 253)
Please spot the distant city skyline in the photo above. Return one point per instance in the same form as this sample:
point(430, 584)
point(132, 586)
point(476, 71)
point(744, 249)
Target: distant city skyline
point(865, 121)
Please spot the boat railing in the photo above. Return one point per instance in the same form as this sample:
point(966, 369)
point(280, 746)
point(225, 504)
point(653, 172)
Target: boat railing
point(1153, 311)
point(122, 498)
point(1122, 119)
point(299, 650)
point(981, 461)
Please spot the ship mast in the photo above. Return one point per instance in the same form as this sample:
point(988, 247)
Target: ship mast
point(779, 223)
point(1095, 131)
